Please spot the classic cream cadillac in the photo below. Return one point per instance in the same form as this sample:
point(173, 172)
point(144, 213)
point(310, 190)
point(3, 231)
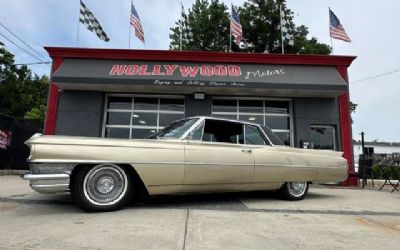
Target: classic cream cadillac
point(198, 154)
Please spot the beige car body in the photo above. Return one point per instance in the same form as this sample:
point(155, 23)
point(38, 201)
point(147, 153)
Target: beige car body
point(169, 166)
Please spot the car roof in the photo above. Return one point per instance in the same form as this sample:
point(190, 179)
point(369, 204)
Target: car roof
point(223, 119)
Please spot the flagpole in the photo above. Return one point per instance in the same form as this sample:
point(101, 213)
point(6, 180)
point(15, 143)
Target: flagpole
point(329, 13)
point(230, 30)
point(129, 37)
point(180, 42)
point(280, 17)
point(77, 33)
point(181, 28)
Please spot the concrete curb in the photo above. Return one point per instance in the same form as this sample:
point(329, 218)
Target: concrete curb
point(12, 172)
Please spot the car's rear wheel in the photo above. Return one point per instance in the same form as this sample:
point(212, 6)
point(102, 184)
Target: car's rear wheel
point(294, 190)
point(105, 187)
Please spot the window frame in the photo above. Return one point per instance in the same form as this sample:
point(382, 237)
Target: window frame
point(132, 110)
point(237, 113)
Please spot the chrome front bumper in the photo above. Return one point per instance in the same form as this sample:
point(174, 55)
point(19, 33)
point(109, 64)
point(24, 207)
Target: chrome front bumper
point(48, 183)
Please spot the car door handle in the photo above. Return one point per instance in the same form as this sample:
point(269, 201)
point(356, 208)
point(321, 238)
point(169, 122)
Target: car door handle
point(247, 150)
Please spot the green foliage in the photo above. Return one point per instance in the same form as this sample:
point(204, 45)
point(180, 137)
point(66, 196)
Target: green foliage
point(378, 173)
point(353, 107)
point(209, 28)
point(260, 19)
point(21, 94)
point(36, 113)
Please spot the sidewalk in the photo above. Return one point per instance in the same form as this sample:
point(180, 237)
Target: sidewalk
point(329, 218)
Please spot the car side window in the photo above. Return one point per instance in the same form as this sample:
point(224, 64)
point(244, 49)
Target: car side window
point(253, 136)
point(223, 131)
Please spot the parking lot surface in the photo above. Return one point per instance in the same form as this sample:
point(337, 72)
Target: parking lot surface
point(329, 218)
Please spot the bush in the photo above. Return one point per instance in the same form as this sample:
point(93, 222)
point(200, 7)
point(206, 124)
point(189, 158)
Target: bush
point(394, 175)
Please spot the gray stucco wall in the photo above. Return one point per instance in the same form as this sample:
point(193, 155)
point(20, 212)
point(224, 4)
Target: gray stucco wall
point(314, 111)
point(80, 113)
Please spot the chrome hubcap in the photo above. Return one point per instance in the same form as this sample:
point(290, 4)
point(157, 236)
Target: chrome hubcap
point(105, 184)
point(297, 188)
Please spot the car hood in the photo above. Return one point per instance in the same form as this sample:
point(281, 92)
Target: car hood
point(95, 141)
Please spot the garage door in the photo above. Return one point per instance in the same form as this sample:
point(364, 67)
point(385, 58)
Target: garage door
point(275, 113)
point(138, 117)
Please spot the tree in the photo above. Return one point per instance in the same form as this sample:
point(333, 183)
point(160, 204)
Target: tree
point(208, 29)
point(353, 107)
point(21, 94)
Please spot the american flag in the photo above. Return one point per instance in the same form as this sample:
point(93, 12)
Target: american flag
point(236, 28)
point(336, 30)
point(135, 22)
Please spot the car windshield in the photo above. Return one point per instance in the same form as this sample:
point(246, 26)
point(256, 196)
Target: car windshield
point(175, 130)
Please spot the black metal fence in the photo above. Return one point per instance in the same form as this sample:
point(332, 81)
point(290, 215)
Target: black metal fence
point(13, 133)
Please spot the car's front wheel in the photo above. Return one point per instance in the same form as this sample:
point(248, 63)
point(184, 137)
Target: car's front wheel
point(105, 187)
point(294, 190)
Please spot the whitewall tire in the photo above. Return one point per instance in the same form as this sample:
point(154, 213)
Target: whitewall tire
point(294, 190)
point(105, 187)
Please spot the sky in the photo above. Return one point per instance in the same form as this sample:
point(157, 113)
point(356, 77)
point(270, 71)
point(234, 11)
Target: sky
point(373, 28)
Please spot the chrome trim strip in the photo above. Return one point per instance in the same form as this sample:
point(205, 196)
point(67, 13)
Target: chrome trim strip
point(100, 161)
point(34, 177)
point(181, 163)
point(50, 188)
point(50, 185)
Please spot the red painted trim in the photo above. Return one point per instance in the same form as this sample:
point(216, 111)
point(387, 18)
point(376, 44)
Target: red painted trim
point(52, 101)
point(199, 56)
point(345, 128)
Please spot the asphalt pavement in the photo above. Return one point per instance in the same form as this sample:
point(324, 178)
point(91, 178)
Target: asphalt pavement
point(329, 218)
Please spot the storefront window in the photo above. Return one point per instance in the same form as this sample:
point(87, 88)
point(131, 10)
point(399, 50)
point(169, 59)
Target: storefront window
point(167, 118)
point(259, 119)
point(119, 118)
point(144, 119)
point(273, 113)
point(251, 106)
point(117, 132)
point(225, 106)
point(172, 104)
point(277, 107)
point(284, 136)
point(145, 103)
point(140, 116)
point(120, 103)
point(277, 122)
point(323, 137)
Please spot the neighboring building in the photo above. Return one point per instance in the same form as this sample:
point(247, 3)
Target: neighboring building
point(133, 93)
point(379, 148)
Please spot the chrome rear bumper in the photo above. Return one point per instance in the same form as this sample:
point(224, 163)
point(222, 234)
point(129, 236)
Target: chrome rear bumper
point(48, 183)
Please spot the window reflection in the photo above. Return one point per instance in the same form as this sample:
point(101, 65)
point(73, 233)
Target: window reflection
point(323, 137)
point(119, 103)
point(140, 116)
point(144, 119)
point(117, 133)
point(119, 118)
point(145, 103)
point(277, 122)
